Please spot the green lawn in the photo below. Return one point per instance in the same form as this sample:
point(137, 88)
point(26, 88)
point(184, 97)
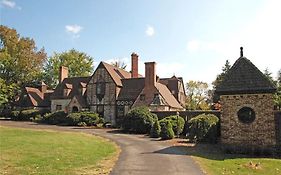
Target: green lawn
point(214, 162)
point(26, 151)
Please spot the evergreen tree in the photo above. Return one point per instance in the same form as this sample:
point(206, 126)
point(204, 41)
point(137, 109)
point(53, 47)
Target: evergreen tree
point(155, 130)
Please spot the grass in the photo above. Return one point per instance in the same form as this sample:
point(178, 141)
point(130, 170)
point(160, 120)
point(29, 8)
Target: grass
point(25, 151)
point(214, 162)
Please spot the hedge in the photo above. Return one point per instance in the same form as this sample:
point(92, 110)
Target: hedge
point(138, 120)
point(27, 114)
point(203, 128)
point(176, 122)
point(155, 130)
point(166, 130)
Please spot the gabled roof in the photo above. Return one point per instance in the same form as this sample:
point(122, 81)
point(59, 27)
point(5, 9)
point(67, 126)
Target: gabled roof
point(244, 77)
point(131, 88)
point(35, 95)
point(116, 73)
point(168, 96)
point(73, 83)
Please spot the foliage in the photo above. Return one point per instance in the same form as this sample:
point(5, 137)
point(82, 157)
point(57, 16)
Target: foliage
point(167, 130)
point(14, 115)
point(120, 64)
point(176, 122)
point(6, 93)
point(72, 119)
point(219, 79)
point(197, 95)
point(29, 114)
point(58, 117)
point(138, 120)
point(203, 128)
point(47, 152)
point(155, 130)
point(78, 63)
point(277, 95)
point(20, 62)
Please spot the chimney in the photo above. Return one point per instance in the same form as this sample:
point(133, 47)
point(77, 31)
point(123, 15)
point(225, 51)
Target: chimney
point(43, 87)
point(150, 75)
point(134, 70)
point(63, 73)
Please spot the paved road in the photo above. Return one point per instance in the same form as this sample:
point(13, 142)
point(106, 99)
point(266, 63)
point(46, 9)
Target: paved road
point(140, 155)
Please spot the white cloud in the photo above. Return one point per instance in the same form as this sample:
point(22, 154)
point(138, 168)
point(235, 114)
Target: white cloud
point(150, 31)
point(10, 4)
point(193, 45)
point(174, 68)
point(74, 30)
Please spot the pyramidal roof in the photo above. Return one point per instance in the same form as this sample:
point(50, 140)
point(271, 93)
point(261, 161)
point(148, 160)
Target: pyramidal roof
point(244, 77)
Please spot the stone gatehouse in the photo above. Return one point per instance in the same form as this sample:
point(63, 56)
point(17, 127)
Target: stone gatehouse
point(247, 116)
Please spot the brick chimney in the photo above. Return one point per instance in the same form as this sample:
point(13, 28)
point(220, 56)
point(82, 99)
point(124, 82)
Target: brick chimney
point(150, 74)
point(63, 73)
point(135, 67)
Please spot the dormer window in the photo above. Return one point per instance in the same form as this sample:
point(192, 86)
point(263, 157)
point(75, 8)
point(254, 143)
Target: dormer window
point(65, 92)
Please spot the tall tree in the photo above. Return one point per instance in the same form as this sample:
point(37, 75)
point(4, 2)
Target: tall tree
point(20, 61)
point(120, 64)
point(219, 79)
point(277, 95)
point(78, 63)
point(197, 95)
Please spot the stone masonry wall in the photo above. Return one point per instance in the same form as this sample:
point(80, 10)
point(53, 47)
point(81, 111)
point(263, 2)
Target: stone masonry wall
point(260, 133)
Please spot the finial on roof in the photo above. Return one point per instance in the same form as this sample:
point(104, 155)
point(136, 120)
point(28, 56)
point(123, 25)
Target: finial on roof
point(241, 51)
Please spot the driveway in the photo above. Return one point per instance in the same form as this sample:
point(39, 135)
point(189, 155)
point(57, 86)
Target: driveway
point(140, 154)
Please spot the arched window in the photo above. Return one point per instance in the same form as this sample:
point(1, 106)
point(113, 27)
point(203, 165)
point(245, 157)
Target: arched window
point(75, 109)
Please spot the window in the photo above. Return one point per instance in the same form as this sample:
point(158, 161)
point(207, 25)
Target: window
point(100, 88)
point(65, 92)
point(100, 110)
point(120, 111)
point(142, 97)
point(246, 115)
point(58, 107)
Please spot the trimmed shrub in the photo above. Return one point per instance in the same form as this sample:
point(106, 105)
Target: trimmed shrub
point(29, 114)
point(91, 119)
point(138, 120)
point(177, 123)
point(155, 130)
point(73, 119)
point(167, 130)
point(14, 115)
point(58, 117)
point(203, 128)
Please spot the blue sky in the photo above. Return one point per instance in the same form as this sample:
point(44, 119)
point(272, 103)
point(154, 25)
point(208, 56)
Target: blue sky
point(191, 39)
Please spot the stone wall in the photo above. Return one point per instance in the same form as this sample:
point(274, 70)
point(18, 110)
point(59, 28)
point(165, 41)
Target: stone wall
point(260, 133)
point(63, 102)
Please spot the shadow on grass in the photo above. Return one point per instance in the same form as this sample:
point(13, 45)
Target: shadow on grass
point(207, 151)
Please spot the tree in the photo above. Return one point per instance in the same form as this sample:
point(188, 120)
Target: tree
point(197, 95)
point(120, 64)
point(220, 77)
point(78, 63)
point(20, 61)
point(277, 95)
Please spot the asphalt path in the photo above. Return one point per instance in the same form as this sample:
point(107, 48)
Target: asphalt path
point(140, 155)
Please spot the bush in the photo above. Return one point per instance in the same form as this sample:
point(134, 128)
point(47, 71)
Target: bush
point(166, 130)
point(139, 120)
point(203, 128)
point(91, 119)
point(72, 119)
point(29, 114)
point(14, 115)
point(155, 130)
point(176, 123)
point(58, 117)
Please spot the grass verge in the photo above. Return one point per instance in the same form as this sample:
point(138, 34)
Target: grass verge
point(25, 151)
point(213, 162)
